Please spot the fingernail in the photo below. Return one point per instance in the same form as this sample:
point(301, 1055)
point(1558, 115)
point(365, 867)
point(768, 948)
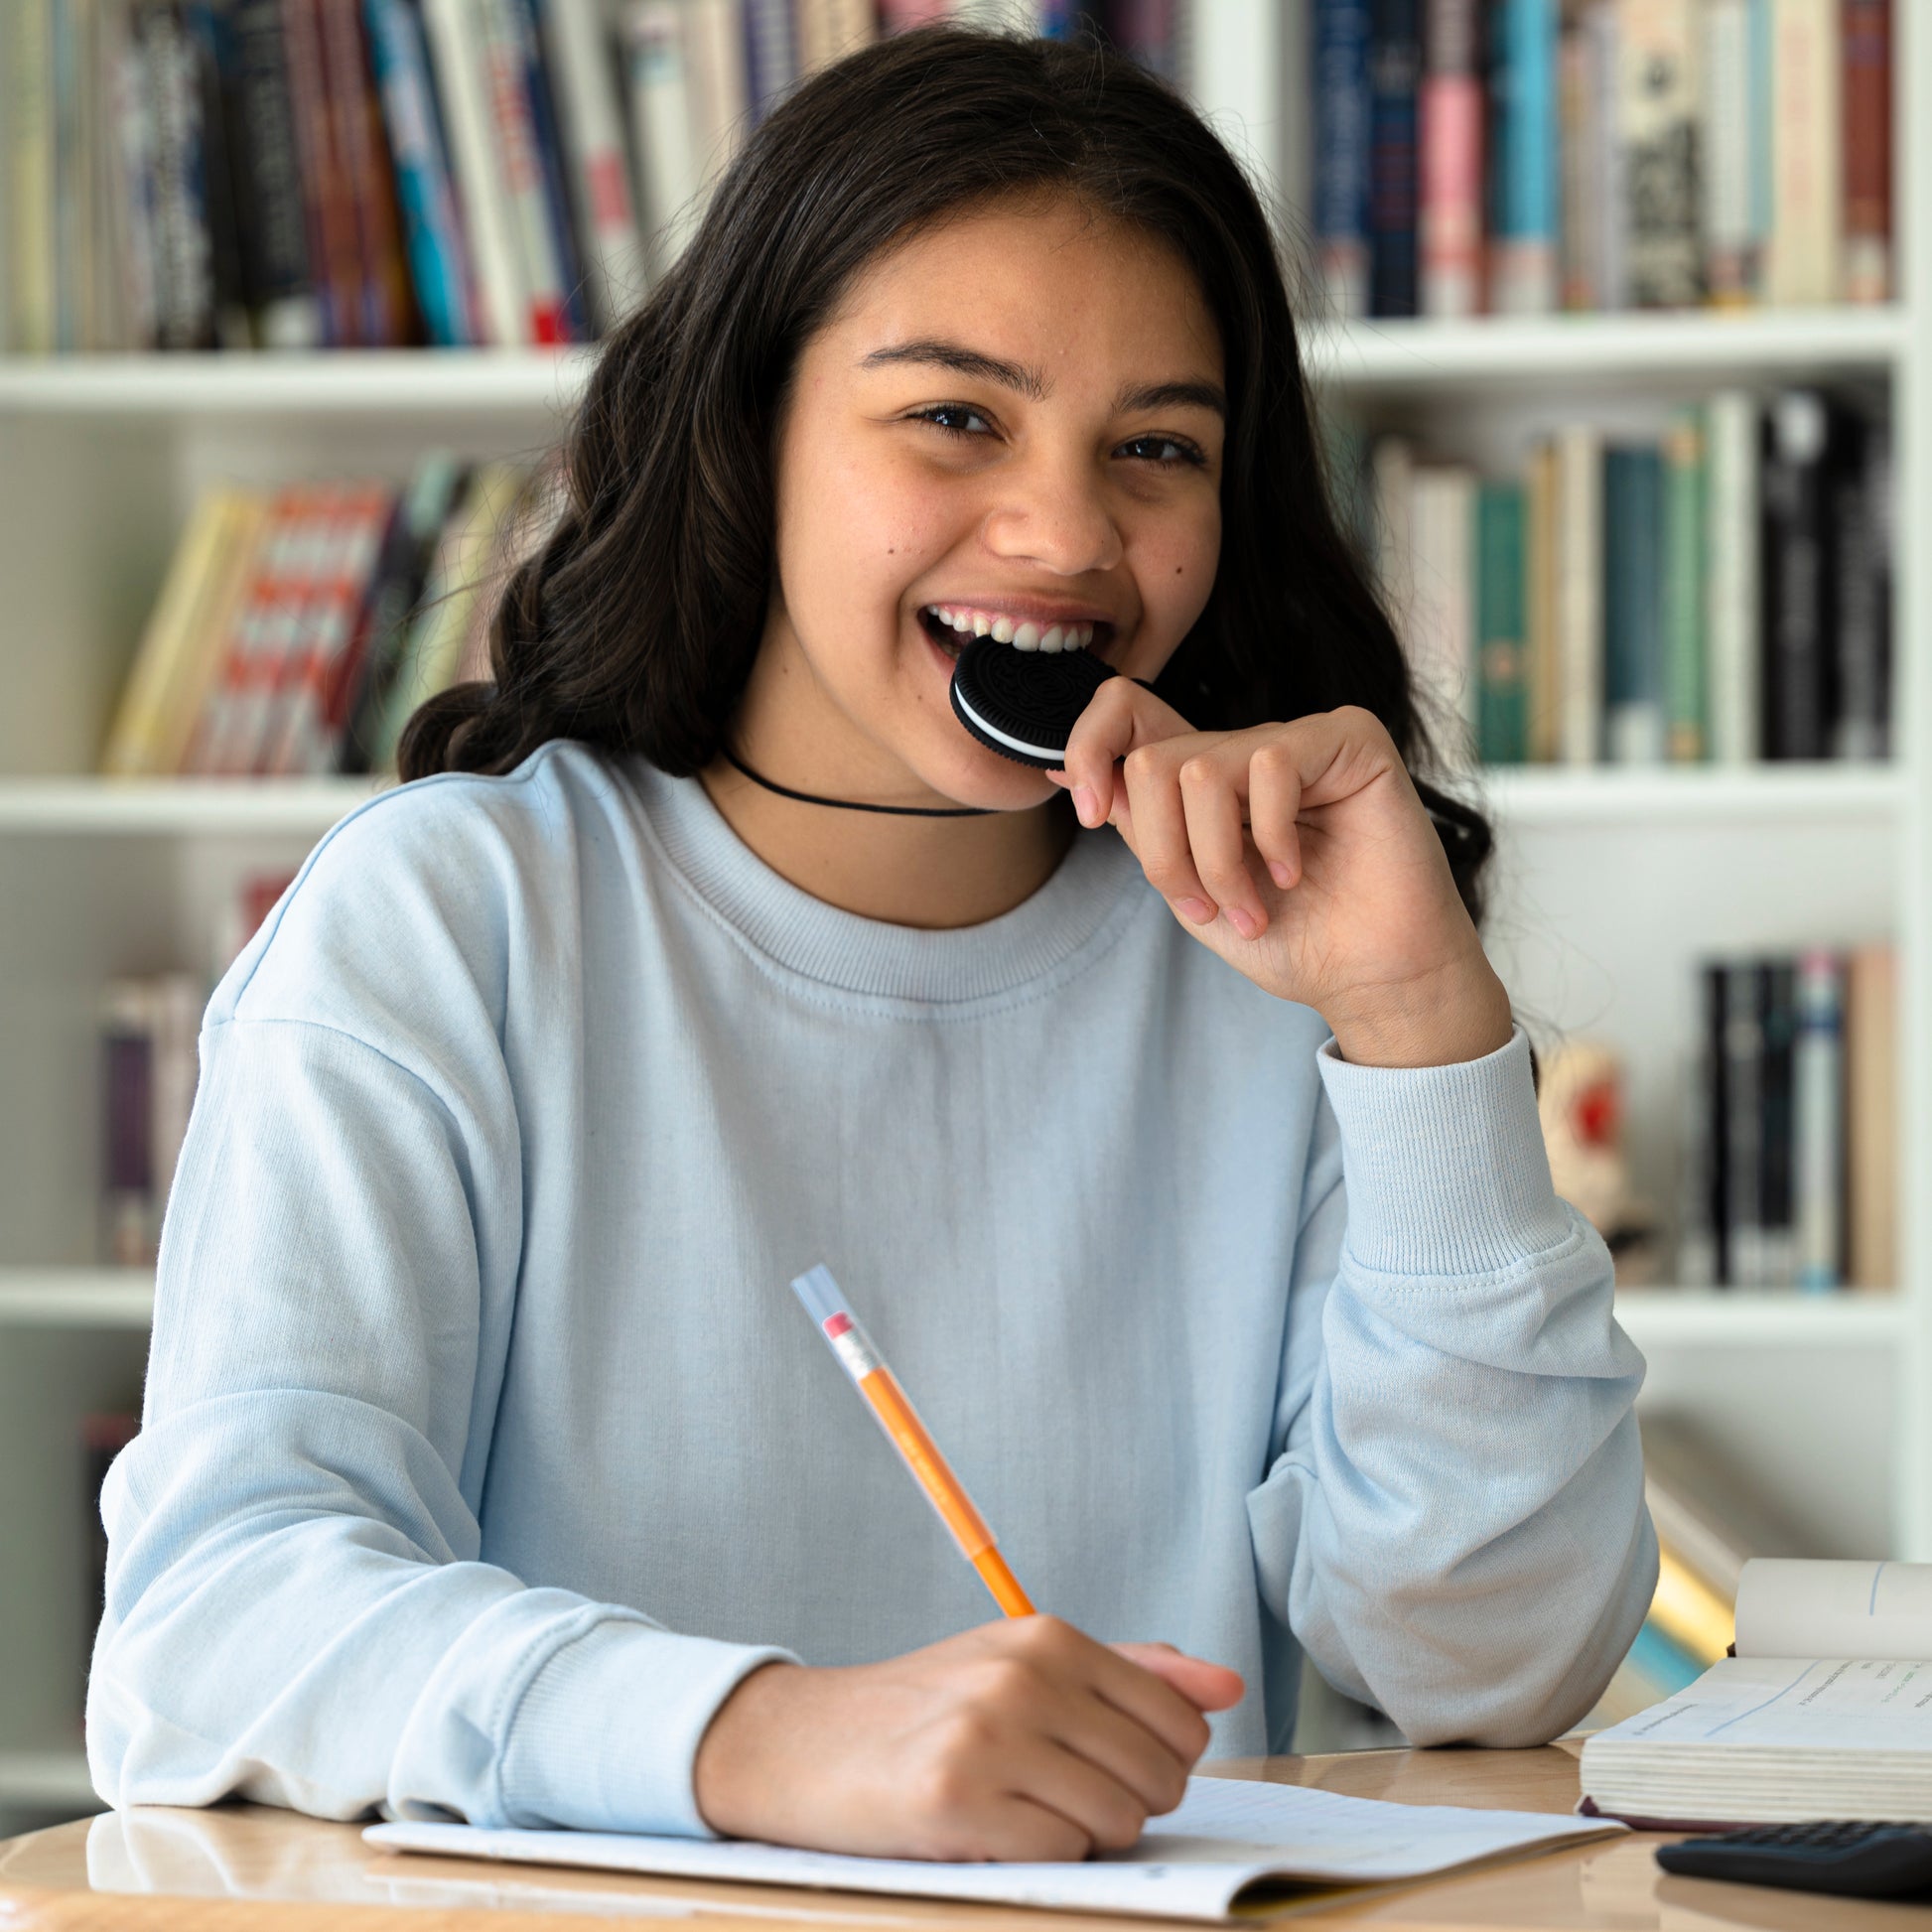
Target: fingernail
point(1196, 910)
point(1280, 874)
point(1243, 922)
point(1086, 807)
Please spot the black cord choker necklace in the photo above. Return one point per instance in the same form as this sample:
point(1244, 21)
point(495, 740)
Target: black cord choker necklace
point(854, 804)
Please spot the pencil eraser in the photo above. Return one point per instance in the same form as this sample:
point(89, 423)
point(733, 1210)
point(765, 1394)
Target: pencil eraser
point(1025, 704)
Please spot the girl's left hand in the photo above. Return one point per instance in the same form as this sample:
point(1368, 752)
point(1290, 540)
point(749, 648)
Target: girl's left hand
point(1303, 856)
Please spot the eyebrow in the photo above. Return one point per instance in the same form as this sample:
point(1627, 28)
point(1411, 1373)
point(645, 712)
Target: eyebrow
point(1031, 384)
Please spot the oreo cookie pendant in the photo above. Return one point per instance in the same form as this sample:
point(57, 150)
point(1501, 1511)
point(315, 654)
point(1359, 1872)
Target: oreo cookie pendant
point(1023, 704)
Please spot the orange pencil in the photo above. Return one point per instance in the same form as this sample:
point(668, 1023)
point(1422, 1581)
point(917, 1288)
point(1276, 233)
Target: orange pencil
point(893, 1409)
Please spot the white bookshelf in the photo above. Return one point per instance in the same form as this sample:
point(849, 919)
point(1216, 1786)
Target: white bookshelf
point(1610, 884)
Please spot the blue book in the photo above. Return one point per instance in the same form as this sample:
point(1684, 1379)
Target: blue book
point(1633, 615)
point(550, 154)
point(1341, 153)
point(1524, 182)
point(770, 52)
point(431, 230)
point(1394, 78)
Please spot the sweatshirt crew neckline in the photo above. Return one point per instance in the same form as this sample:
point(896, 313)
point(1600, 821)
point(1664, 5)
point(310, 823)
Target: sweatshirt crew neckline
point(1081, 907)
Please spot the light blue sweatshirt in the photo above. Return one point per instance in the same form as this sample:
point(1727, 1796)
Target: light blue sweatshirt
point(486, 1448)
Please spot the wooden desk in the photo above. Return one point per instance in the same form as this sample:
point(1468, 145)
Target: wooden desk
point(240, 1867)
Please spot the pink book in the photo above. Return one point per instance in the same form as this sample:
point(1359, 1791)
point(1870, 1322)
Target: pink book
point(1450, 106)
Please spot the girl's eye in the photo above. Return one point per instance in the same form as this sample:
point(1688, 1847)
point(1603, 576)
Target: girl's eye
point(1164, 451)
point(954, 418)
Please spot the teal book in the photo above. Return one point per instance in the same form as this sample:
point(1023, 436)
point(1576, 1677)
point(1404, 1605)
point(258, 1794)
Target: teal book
point(1502, 655)
point(1633, 631)
point(1685, 702)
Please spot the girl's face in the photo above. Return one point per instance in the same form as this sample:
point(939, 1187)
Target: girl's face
point(1014, 420)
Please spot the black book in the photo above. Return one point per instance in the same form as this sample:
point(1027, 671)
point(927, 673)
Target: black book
point(272, 214)
point(1394, 76)
point(1859, 488)
point(1777, 1016)
point(1798, 591)
point(211, 26)
point(1743, 1063)
point(1713, 1152)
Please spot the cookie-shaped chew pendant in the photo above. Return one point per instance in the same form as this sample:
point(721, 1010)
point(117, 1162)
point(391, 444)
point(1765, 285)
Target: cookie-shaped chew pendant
point(1023, 704)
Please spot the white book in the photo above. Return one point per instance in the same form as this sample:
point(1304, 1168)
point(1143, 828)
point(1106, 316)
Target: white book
point(461, 83)
point(1807, 155)
point(1818, 1122)
point(721, 87)
point(670, 181)
point(592, 119)
point(509, 62)
point(1825, 1711)
point(1730, 227)
point(1579, 594)
point(1442, 632)
point(1731, 548)
point(1229, 1840)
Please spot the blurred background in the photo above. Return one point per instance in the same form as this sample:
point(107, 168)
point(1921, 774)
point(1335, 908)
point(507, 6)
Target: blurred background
point(1626, 402)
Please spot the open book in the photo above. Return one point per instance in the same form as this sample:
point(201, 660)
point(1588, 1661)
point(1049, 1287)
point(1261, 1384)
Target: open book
point(1823, 1711)
point(1232, 1847)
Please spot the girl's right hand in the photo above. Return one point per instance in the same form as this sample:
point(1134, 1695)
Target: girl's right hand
point(1021, 1740)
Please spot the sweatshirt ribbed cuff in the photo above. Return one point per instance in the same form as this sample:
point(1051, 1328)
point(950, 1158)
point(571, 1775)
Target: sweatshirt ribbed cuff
point(1445, 1166)
point(605, 1734)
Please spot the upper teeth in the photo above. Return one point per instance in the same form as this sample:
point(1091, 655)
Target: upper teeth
point(1026, 635)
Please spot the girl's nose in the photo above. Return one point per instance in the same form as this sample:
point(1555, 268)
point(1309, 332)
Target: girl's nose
point(1053, 513)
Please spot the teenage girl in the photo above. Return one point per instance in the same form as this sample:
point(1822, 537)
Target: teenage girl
point(1162, 1117)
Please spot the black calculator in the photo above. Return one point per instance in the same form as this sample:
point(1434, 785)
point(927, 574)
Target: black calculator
point(1868, 1861)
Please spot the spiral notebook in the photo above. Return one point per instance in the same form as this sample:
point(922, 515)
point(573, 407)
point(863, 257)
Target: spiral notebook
point(1234, 1848)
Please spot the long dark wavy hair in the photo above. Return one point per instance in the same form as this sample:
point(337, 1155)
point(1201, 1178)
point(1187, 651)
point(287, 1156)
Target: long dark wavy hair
point(633, 625)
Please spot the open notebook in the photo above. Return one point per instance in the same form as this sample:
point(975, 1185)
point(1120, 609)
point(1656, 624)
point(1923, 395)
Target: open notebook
point(1825, 1711)
point(1232, 1849)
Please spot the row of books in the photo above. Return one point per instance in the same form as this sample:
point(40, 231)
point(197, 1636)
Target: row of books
point(149, 1061)
point(1720, 592)
point(1524, 156)
point(1792, 1180)
point(1710, 1521)
point(275, 174)
point(298, 627)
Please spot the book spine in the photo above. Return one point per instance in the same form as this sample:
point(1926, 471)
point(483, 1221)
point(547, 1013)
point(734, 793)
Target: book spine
point(1544, 683)
point(385, 318)
point(828, 30)
point(68, 256)
point(1442, 641)
point(464, 87)
point(592, 121)
point(1866, 114)
point(1817, 1126)
point(1632, 615)
point(328, 211)
point(1744, 1048)
point(1394, 72)
point(554, 166)
point(1659, 114)
point(1612, 170)
point(1450, 117)
point(183, 271)
point(277, 275)
point(1872, 1118)
point(659, 64)
point(1579, 161)
point(178, 1002)
point(1732, 612)
point(1685, 700)
point(214, 748)
point(438, 260)
point(1807, 154)
point(128, 1211)
point(27, 148)
point(514, 130)
point(211, 27)
point(1699, 1171)
point(1796, 593)
point(720, 86)
point(1714, 1138)
point(1862, 576)
point(770, 60)
point(1579, 592)
point(269, 690)
point(1342, 149)
point(1730, 234)
point(1523, 251)
point(1502, 701)
point(1777, 1032)
point(131, 110)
